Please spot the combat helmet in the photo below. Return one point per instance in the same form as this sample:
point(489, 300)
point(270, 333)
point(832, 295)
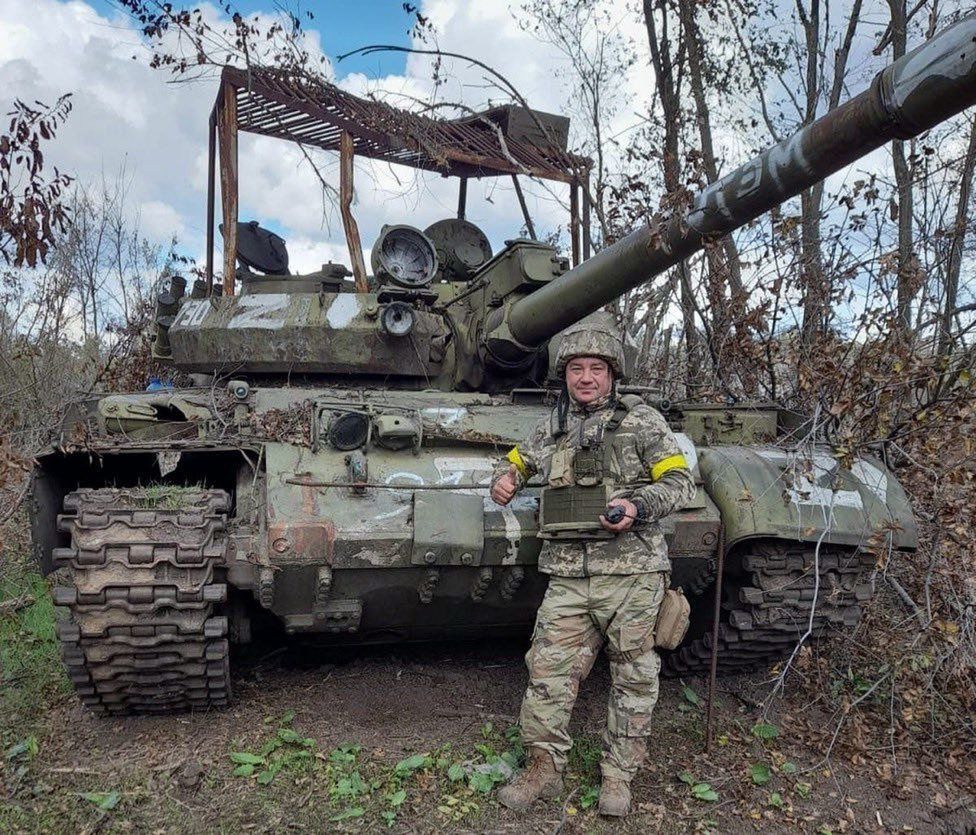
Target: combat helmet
point(595, 336)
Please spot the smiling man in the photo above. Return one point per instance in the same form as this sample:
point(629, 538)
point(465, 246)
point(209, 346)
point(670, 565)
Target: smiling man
point(607, 575)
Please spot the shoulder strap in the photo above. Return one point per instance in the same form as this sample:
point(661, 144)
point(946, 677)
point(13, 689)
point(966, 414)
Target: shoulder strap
point(624, 405)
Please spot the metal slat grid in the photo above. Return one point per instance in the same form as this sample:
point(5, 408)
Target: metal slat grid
point(273, 104)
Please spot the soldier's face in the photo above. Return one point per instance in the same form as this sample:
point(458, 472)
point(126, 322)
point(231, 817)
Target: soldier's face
point(588, 379)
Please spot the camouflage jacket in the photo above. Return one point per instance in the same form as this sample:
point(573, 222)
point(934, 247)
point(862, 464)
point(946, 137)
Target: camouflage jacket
point(643, 449)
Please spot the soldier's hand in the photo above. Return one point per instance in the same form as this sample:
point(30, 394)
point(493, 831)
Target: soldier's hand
point(503, 489)
point(627, 522)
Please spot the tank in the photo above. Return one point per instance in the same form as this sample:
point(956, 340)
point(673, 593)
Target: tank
point(328, 470)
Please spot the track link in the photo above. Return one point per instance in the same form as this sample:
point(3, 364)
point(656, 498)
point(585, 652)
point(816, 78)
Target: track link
point(768, 597)
point(142, 636)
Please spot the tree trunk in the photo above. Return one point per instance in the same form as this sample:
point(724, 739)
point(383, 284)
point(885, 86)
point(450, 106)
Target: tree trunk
point(817, 286)
point(668, 94)
point(956, 245)
point(728, 268)
point(907, 263)
point(815, 292)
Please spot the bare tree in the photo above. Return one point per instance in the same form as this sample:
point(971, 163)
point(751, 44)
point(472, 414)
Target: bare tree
point(668, 58)
point(907, 266)
point(957, 241)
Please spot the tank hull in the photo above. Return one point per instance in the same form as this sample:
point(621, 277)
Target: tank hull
point(388, 544)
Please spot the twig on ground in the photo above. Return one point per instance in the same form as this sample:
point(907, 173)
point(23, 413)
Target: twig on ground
point(565, 814)
point(15, 604)
point(906, 598)
point(847, 712)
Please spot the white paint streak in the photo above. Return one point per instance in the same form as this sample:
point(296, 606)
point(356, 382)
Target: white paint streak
point(391, 513)
point(455, 466)
point(513, 534)
point(689, 451)
point(264, 310)
point(413, 478)
point(343, 310)
point(191, 314)
point(444, 415)
point(376, 557)
point(872, 477)
point(806, 491)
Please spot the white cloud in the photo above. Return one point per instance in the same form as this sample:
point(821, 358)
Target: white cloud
point(159, 221)
point(127, 115)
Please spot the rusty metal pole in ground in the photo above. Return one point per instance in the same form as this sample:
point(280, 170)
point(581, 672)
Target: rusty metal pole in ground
point(713, 660)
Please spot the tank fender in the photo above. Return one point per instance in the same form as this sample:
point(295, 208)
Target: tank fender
point(771, 492)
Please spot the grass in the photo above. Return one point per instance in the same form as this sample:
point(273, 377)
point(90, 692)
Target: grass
point(31, 673)
point(349, 785)
point(583, 769)
point(31, 677)
point(164, 496)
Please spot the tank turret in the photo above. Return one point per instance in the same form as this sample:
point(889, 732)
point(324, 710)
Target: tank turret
point(441, 310)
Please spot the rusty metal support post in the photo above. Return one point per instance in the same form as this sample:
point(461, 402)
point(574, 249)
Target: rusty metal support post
point(211, 188)
point(574, 221)
point(525, 209)
point(713, 660)
point(462, 197)
point(346, 155)
point(587, 231)
point(228, 182)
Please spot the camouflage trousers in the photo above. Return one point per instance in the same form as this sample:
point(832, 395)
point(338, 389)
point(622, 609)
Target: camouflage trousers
point(576, 616)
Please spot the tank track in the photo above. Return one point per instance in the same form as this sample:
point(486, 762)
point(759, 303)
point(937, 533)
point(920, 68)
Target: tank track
point(142, 636)
point(768, 596)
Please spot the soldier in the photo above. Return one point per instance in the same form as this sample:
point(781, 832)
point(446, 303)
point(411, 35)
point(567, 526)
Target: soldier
point(607, 578)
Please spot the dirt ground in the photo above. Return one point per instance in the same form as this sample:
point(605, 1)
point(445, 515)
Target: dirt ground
point(418, 739)
point(368, 714)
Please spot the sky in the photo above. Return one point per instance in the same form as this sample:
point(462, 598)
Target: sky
point(133, 122)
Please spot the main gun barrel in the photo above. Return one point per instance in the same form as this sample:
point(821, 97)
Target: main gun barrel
point(927, 86)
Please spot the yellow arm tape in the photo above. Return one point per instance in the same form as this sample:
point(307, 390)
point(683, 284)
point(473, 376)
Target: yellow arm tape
point(672, 462)
point(515, 457)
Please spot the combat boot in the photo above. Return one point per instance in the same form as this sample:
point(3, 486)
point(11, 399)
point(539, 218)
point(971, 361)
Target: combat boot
point(540, 779)
point(614, 797)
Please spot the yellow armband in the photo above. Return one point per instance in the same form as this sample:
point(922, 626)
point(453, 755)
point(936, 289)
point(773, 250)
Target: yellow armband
point(516, 458)
point(672, 462)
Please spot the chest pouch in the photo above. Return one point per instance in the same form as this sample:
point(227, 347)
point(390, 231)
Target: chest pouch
point(573, 512)
point(561, 468)
point(588, 466)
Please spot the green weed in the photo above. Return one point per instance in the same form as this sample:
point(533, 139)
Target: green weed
point(287, 750)
point(164, 496)
point(31, 673)
point(584, 758)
